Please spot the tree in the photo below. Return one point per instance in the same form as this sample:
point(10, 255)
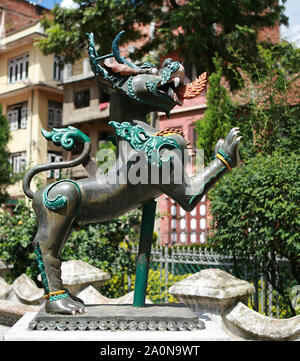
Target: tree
point(266, 110)
point(201, 28)
point(197, 28)
point(16, 234)
point(255, 208)
point(219, 117)
point(5, 168)
point(256, 218)
point(66, 28)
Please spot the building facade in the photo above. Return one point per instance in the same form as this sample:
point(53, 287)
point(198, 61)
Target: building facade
point(30, 95)
point(85, 107)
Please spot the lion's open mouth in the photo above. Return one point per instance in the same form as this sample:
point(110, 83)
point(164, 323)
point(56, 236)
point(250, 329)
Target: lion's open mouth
point(178, 91)
point(171, 88)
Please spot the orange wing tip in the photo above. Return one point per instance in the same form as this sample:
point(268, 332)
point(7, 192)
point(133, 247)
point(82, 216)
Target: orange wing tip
point(191, 90)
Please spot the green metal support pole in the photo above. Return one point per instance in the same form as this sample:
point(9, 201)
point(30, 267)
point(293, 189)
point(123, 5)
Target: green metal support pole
point(143, 258)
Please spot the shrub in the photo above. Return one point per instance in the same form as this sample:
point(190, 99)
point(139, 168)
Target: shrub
point(157, 286)
point(218, 118)
point(106, 246)
point(256, 217)
point(16, 235)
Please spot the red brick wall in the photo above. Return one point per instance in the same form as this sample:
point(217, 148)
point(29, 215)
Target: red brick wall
point(20, 13)
point(271, 34)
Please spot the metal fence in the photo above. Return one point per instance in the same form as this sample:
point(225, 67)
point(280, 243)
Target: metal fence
point(178, 261)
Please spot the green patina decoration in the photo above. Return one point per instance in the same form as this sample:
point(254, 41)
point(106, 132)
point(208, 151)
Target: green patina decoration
point(99, 71)
point(224, 155)
point(41, 267)
point(58, 297)
point(116, 53)
point(59, 201)
point(168, 71)
point(140, 140)
point(65, 137)
point(148, 65)
point(143, 258)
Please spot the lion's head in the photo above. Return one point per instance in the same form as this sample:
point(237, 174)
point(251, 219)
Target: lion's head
point(157, 89)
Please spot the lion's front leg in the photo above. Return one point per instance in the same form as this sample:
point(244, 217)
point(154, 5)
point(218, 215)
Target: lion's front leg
point(191, 190)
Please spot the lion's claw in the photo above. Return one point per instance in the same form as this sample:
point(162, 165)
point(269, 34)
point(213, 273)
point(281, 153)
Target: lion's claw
point(230, 145)
point(65, 306)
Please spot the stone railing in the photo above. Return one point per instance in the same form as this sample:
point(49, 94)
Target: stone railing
point(217, 298)
point(222, 298)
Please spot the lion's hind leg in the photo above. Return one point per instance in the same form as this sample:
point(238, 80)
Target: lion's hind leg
point(55, 226)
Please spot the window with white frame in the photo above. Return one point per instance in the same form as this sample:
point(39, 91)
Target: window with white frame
point(54, 114)
point(53, 158)
point(18, 69)
point(57, 68)
point(17, 116)
point(18, 162)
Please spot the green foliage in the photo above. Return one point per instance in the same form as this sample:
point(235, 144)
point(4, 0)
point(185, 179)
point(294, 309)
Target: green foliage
point(106, 156)
point(16, 235)
point(66, 29)
point(199, 28)
point(295, 298)
point(266, 110)
point(157, 285)
point(207, 27)
point(5, 168)
point(255, 208)
point(274, 306)
point(269, 116)
point(219, 116)
point(105, 245)
point(256, 217)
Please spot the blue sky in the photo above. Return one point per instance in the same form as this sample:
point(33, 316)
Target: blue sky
point(46, 3)
point(292, 33)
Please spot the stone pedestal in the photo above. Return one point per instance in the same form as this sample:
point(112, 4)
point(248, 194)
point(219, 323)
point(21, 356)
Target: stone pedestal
point(21, 332)
point(90, 296)
point(212, 292)
point(163, 317)
point(27, 291)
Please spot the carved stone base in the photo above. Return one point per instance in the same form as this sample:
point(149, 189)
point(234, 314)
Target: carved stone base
point(175, 317)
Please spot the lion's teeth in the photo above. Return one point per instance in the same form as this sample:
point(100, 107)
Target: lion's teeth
point(176, 81)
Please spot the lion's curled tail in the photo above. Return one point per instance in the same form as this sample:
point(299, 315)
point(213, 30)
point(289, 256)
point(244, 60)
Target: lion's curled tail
point(67, 138)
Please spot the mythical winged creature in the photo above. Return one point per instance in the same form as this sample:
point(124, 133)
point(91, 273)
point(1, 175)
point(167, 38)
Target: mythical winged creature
point(135, 91)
